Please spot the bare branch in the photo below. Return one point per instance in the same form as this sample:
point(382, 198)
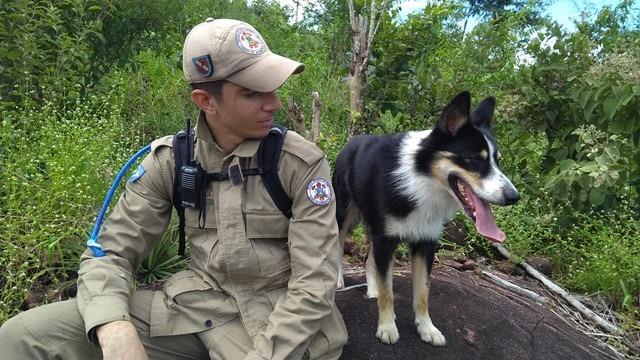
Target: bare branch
point(558, 290)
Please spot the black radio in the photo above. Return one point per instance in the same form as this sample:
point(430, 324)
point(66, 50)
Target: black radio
point(193, 181)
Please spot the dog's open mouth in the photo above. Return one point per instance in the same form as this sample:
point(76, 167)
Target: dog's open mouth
point(477, 209)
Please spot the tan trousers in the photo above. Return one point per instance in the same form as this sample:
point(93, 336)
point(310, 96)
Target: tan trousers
point(56, 331)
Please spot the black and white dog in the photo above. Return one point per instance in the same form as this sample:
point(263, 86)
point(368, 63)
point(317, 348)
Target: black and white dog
point(405, 186)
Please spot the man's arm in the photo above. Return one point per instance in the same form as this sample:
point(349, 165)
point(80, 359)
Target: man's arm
point(119, 340)
point(138, 220)
point(314, 251)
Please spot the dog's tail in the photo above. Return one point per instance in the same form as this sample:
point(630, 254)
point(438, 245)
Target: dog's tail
point(347, 214)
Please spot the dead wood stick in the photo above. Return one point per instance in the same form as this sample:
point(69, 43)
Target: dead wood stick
point(315, 117)
point(514, 288)
point(558, 290)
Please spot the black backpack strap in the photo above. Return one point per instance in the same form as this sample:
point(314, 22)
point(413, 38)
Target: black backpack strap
point(181, 156)
point(268, 157)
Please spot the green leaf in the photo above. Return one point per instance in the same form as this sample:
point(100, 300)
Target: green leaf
point(626, 94)
point(566, 165)
point(596, 197)
point(589, 110)
point(560, 154)
point(613, 152)
point(610, 107)
point(584, 98)
point(603, 160)
point(589, 167)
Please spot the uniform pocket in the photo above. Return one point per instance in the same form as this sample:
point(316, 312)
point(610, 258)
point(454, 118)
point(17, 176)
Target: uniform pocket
point(268, 235)
point(188, 304)
point(267, 225)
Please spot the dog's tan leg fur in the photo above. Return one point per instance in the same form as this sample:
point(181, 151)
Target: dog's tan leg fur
point(427, 331)
point(387, 331)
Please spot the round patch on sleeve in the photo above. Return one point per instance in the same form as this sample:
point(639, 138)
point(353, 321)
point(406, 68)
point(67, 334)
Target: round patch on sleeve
point(319, 191)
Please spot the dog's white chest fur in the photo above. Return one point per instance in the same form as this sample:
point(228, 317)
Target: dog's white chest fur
point(434, 204)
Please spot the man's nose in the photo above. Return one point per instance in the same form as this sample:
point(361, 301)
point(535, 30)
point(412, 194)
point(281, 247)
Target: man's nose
point(272, 101)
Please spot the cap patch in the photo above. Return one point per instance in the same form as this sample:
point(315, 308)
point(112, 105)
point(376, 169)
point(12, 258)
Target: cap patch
point(203, 65)
point(319, 191)
point(138, 174)
point(249, 41)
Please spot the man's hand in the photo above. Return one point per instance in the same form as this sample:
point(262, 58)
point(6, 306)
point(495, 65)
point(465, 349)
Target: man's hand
point(119, 341)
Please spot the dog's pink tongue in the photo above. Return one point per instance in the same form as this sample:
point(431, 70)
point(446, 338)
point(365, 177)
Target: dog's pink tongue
point(485, 224)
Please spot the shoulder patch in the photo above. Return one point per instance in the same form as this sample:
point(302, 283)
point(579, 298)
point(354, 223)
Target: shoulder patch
point(138, 174)
point(319, 191)
point(296, 145)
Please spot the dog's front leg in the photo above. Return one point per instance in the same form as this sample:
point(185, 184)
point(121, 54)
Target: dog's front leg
point(421, 264)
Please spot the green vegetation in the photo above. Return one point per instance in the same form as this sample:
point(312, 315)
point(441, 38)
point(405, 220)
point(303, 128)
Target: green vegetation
point(84, 84)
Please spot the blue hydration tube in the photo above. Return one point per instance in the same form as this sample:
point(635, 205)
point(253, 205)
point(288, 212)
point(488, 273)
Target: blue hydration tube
point(92, 243)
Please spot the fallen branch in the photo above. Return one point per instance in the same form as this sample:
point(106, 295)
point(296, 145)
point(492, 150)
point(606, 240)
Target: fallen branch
point(513, 287)
point(558, 290)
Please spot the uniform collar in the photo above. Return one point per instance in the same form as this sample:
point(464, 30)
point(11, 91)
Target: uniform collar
point(247, 148)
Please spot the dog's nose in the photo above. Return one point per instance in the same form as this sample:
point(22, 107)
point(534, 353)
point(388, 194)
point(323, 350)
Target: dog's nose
point(511, 196)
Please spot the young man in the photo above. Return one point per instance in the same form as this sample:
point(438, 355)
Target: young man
point(259, 286)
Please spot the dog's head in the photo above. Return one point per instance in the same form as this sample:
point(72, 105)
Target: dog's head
point(466, 162)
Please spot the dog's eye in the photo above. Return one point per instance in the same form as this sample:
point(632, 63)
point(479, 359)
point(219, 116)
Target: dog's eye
point(474, 160)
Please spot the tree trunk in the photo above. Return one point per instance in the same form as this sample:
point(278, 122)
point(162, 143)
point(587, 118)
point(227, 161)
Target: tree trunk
point(363, 32)
point(356, 103)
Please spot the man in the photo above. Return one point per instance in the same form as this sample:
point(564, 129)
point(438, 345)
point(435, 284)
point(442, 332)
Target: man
point(259, 286)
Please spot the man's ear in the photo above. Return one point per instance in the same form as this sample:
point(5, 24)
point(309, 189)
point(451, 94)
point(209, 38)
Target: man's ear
point(204, 101)
point(456, 114)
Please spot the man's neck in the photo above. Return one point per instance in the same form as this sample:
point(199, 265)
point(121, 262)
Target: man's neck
point(225, 139)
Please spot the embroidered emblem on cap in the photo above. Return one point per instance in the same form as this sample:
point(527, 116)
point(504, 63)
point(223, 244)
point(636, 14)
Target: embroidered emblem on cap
point(319, 191)
point(249, 41)
point(138, 174)
point(203, 65)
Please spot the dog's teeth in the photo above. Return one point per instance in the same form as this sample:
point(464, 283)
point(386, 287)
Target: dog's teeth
point(474, 213)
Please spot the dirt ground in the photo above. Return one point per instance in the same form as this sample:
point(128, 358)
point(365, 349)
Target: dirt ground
point(478, 319)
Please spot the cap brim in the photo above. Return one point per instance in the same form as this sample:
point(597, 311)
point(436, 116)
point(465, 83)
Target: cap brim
point(267, 74)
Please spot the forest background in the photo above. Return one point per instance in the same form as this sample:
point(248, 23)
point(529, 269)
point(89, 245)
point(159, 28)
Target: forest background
point(85, 84)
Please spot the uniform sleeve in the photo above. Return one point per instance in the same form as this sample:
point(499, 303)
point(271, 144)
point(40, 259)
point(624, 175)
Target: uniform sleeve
point(314, 251)
point(136, 223)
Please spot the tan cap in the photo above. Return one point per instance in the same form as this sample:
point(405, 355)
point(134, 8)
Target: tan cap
point(232, 50)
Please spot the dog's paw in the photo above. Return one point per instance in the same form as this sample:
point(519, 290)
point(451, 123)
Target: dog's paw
point(430, 334)
point(388, 333)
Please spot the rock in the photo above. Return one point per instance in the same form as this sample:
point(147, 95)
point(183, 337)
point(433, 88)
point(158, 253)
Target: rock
point(453, 233)
point(461, 259)
point(469, 265)
point(349, 247)
point(541, 264)
point(456, 265)
point(508, 267)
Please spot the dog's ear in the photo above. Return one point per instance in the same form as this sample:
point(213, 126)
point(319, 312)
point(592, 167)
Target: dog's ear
point(483, 114)
point(456, 114)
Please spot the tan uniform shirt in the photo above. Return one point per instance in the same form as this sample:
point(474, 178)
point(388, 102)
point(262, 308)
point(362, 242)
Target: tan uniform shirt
point(249, 260)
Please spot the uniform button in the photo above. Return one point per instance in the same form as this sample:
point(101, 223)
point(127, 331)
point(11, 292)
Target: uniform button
point(208, 323)
point(209, 19)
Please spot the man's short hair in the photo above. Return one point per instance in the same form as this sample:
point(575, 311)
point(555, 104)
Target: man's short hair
point(214, 88)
